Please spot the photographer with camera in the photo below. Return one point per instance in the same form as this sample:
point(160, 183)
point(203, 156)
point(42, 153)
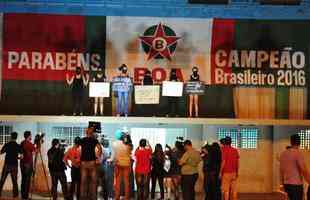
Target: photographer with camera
point(57, 168)
point(26, 164)
point(175, 154)
point(121, 156)
point(90, 151)
point(74, 155)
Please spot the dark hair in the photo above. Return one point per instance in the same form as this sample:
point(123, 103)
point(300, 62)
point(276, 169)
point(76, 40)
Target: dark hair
point(227, 140)
point(77, 140)
point(120, 68)
point(142, 143)
point(179, 145)
point(159, 153)
point(222, 141)
point(187, 142)
point(27, 134)
point(14, 135)
point(214, 157)
point(55, 142)
point(295, 140)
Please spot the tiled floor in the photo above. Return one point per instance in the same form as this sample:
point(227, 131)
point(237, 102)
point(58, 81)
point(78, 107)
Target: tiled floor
point(274, 196)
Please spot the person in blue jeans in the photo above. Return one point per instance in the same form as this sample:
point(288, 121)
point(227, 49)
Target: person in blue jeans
point(124, 87)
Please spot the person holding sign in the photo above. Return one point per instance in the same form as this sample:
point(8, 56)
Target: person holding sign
point(123, 88)
point(173, 101)
point(147, 78)
point(98, 101)
point(193, 98)
point(148, 108)
point(78, 81)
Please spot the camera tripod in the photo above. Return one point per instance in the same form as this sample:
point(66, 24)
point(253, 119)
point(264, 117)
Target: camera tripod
point(38, 155)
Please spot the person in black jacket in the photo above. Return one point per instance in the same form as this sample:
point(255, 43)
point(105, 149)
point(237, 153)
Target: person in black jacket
point(12, 151)
point(212, 167)
point(57, 169)
point(148, 109)
point(157, 172)
point(173, 102)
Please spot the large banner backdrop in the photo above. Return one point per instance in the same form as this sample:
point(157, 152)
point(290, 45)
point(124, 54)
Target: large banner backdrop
point(251, 68)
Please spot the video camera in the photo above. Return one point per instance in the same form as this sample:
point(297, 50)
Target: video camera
point(179, 144)
point(95, 125)
point(38, 139)
point(101, 137)
point(63, 143)
point(126, 138)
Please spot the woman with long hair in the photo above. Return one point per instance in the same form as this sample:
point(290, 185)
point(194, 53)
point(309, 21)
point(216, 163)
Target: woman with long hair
point(212, 166)
point(193, 98)
point(175, 170)
point(157, 173)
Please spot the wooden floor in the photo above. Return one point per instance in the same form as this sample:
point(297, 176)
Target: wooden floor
point(274, 196)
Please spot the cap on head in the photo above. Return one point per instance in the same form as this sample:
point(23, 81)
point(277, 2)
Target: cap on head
point(118, 134)
point(195, 69)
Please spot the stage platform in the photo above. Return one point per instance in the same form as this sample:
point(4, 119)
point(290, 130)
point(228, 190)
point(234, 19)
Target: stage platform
point(150, 120)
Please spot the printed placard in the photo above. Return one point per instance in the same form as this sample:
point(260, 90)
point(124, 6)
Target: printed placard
point(172, 89)
point(147, 94)
point(99, 89)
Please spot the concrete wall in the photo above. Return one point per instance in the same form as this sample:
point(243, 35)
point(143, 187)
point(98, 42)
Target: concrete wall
point(255, 164)
point(281, 135)
point(259, 168)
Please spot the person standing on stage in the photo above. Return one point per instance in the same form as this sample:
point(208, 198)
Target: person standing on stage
point(123, 91)
point(90, 149)
point(189, 170)
point(98, 101)
point(74, 155)
point(148, 109)
point(193, 98)
point(173, 101)
point(78, 81)
point(57, 169)
point(26, 164)
point(12, 151)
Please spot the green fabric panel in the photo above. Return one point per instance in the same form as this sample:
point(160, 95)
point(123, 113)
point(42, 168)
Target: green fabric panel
point(96, 36)
point(282, 103)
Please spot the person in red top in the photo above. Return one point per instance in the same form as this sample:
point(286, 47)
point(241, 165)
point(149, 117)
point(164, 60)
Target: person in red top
point(143, 156)
point(229, 170)
point(26, 164)
point(74, 155)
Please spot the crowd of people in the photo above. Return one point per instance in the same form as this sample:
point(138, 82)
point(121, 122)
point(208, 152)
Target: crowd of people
point(175, 169)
